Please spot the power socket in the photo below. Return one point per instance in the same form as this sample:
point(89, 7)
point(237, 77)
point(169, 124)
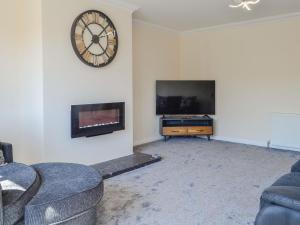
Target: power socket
point(269, 144)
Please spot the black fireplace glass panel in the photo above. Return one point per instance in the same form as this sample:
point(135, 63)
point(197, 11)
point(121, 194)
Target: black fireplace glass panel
point(97, 119)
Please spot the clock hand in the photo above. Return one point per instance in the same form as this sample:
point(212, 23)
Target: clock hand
point(109, 33)
point(253, 2)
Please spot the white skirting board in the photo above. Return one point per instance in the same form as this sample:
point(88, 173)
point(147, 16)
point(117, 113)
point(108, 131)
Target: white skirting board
point(217, 138)
point(148, 140)
point(286, 131)
point(285, 134)
point(240, 141)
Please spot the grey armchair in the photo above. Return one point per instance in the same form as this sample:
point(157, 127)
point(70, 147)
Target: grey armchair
point(280, 203)
point(7, 151)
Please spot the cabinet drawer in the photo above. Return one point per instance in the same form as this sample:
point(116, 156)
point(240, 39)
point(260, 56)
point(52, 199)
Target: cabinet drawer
point(200, 130)
point(174, 131)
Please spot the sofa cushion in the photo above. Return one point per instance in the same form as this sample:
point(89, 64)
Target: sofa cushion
point(66, 190)
point(291, 179)
point(19, 184)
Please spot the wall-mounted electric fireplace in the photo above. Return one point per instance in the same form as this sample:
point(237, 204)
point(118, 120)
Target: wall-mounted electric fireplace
point(97, 119)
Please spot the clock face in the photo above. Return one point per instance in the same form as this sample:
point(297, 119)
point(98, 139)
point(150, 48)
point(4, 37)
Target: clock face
point(94, 38)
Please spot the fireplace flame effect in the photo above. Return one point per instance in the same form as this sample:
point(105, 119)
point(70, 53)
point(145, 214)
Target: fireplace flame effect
point(98, 125)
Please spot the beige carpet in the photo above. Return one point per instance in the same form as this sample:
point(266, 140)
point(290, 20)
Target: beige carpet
point(197, 183)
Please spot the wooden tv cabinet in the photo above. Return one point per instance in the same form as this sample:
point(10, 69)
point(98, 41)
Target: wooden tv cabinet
point(172, 126)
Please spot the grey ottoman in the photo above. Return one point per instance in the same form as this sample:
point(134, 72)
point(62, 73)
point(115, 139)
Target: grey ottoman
point(19, 184)
point(68, 195)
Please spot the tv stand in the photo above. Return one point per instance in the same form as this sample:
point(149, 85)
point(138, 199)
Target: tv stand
point(192, 126)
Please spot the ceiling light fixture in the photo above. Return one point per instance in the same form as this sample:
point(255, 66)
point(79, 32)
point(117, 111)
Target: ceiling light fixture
point(245, 4)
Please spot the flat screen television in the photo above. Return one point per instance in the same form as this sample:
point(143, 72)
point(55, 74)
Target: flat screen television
point(185, 97)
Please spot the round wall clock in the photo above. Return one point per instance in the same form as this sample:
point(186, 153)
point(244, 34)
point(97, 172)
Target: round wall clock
point(94, 38)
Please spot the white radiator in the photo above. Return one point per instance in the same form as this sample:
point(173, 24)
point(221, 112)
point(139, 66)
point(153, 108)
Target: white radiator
point(286, 131)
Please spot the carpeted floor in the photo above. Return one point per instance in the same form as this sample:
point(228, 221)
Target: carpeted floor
point(197, 183)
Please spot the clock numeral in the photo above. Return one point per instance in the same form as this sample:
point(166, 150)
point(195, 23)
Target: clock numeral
point(78, 37)
point(100, 60)
point(104, 22)
point(81, 47)
point(81, 25)
point(109, 30)
point(111, 34)
point(110, 52)
point(88, 56)
point(104, 58)
point(92, 60)
point(96, 60)
point(112, 41)
point(86, 18)
point(96, 18)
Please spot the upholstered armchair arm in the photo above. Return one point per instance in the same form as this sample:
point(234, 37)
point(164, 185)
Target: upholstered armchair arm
point(1, 207)
point(285, 196)
point(296, 167)
point(7, 152)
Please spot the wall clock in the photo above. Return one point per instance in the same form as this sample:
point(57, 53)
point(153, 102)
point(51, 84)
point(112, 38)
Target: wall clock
point(94, 38)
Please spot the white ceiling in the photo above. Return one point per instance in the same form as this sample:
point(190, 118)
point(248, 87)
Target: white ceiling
point(185, 15)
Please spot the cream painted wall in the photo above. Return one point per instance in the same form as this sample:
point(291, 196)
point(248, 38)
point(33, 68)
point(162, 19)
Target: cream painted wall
point(257, 70)
point(31, 72)
point(156, 57)
point(10, 113)
point(41, 78)
point(68, 81)
point(21, 78)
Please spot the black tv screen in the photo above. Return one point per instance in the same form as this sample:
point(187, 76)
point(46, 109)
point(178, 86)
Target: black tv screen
point(185, 97)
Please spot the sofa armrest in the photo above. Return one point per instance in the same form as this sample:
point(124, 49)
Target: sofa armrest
point(285, 196)
point(7, 152)
point(296, 167)
point(1, 207)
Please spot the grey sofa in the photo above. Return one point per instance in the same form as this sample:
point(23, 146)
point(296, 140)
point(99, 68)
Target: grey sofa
point(280, 203)
point(49, 193)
